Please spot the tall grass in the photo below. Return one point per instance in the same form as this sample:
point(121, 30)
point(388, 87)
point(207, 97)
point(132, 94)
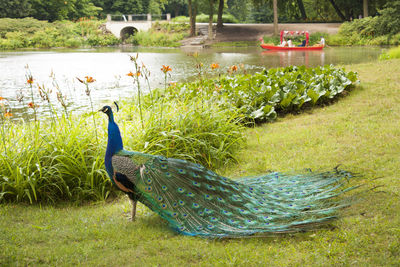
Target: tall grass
point(49, 162)
point(61, 160)
point(188, 130)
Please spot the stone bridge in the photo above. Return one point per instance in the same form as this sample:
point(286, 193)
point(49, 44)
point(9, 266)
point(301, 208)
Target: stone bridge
point(123, 26)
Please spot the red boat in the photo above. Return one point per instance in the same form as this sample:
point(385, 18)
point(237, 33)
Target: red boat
point(285, 48)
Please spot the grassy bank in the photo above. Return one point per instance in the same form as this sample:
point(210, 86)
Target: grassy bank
point(361, 132)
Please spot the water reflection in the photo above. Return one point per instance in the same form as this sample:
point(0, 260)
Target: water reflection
point(298, 58)
point(109, 67)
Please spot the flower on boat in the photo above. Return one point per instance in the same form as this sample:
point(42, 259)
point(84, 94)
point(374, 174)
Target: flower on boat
point(214, 66)
point(165, 69)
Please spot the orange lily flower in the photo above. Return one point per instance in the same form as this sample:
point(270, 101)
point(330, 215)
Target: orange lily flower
point(214, 66)
point(89, 79)
point(8, 114)
point(131, 74)
point(234, 68)
point(165, 69)
point(32, 105)
point(30, 80)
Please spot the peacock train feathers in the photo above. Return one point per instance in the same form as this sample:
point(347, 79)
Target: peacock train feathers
point(196, 201)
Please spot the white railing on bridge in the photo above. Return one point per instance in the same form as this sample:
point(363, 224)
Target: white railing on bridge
point(139, 17)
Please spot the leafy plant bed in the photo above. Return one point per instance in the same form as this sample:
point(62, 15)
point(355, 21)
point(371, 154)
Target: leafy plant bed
point(262, 96)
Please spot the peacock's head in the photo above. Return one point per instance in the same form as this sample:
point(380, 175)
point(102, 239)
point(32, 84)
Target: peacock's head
point(107, 110)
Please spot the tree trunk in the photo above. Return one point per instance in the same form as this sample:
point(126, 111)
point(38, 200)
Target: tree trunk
point(275, 6)
point(192, 16)
point(220, 11)
point(210, 20)
point(302, 9)
point(365, 8)
point(176, 10)
point(340, 14)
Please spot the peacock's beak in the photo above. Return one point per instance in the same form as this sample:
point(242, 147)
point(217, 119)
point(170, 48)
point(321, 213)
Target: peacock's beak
point(103, 109)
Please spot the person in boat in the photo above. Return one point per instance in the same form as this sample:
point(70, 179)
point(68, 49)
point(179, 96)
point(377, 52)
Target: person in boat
point(284, 43)
point(322, 41)
point(290, 43)
point(303, 43)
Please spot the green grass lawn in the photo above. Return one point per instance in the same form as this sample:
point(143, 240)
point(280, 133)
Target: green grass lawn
point(360, 131)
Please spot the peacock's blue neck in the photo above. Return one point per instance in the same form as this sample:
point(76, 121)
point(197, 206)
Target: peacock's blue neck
point(114, 143)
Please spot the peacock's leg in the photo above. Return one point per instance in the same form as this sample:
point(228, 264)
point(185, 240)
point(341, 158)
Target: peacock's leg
point(133, 213)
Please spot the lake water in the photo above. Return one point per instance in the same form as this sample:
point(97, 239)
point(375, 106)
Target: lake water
point(109, 66)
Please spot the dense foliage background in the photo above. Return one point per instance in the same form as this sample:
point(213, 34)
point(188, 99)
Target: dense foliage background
point(241, 10)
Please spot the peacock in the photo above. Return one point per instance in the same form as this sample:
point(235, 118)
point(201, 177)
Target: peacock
point(198, 202)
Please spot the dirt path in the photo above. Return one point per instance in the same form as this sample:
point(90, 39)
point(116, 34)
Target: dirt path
point(252, 32)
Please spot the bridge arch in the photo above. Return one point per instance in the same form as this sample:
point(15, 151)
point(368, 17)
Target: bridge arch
point(127, 31)
point(130, 24)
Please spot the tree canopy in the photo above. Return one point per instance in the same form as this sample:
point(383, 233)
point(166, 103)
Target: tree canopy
point(249, 11)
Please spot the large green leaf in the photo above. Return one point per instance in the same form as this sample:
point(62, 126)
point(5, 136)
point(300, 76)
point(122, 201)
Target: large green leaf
point(313, 95)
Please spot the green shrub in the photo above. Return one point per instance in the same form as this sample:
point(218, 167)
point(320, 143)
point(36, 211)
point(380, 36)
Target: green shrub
point(391, 54)
point(167, 27)
point(161, 34)
point(366, 27)
point(151, 38)
point(336, 40)
point(181, 19)
point(73, 42)
point(226, 18)
point(28, 32)
point(272, 40)
point(26, 25)
point(380, 30)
